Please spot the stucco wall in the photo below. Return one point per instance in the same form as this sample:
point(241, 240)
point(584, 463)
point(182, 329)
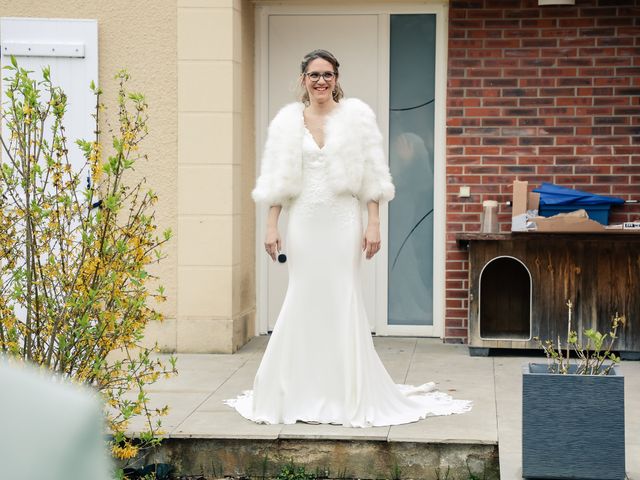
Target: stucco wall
point(140, 37)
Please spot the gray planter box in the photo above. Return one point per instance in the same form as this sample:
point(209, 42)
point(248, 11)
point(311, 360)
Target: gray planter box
point(572, 425)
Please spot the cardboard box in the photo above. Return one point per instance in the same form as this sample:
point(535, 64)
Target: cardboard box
point(525, 218)
point(524, 206)
point(577, 221)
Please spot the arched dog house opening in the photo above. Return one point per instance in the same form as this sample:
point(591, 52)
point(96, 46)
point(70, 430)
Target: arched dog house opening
point(505, 300)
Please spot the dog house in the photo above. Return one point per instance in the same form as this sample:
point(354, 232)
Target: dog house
point(519, 284)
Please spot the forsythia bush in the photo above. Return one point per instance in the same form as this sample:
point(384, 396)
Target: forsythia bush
point(75, 247)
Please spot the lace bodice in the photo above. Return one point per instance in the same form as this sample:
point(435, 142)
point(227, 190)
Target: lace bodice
point(316, 189)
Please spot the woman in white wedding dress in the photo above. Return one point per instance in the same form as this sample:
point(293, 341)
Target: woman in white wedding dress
point(323, 161)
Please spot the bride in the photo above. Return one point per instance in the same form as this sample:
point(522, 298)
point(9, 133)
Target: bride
point(324, 161)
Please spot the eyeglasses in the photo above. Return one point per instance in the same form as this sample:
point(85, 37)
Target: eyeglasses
point(315, 76)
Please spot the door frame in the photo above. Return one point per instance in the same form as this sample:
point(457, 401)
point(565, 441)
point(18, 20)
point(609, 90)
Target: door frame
point(384, 11)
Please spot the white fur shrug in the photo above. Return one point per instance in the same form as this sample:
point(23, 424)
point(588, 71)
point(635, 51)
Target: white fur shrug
point(352, 148)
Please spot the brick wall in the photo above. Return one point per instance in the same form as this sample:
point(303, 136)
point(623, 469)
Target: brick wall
point(540, 94)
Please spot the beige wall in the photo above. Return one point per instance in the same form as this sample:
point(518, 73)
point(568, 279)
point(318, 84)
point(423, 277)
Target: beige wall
point(216, 302)
point(144, 44)
point(194, 61)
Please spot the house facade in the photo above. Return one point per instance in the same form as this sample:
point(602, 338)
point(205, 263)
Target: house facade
point(468, 93)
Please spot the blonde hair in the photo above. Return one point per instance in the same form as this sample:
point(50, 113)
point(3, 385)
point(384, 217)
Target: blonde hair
point(337, 92)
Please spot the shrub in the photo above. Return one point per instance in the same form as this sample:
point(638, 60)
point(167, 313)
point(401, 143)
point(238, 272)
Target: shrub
point(75, 290)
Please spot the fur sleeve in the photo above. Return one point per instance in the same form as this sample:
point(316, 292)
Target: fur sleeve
point(277, 183)
point(377, 184)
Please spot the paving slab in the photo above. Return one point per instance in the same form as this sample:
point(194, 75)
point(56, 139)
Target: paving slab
point(333, 432)
point(220, 424)
point(494, 384)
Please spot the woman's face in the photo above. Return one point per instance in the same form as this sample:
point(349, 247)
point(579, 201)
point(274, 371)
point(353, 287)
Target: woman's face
point(320, 90)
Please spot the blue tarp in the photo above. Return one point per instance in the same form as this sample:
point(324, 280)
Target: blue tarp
point(551, 194)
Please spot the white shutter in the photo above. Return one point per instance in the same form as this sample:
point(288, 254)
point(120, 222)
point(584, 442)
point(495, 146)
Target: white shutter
point(70, 48)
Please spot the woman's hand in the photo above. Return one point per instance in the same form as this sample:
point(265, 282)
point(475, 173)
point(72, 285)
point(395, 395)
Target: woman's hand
point(272, 243)
point(371, 240)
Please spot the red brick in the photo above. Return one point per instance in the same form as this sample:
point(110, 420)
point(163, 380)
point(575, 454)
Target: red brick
point(462, 141)
point(484, 33)
point(464, 82)
point(577, 42)
point(499, 102)
point(540, 23)
point(465, 24)
point(520, 72)
point(523, 12)
point(484, 13)
point(554, 170)
point(481, 169)
point(463, 180)
point(611, 141)
point(500, 82)
point(594, 150)
point(559, 12)
point(631, 31)
point(483, 150)
point(613, 61)
point(611, 100)
point(596, 72)
point(574, 82)
point(521, 52)
point(518, 151)
point(598, 51)
point(501, 122)
point(630, 150)
point(497, 44)
point(611, 179)
point(556, 150)
point(575, 62)
point(573, 179)
point(573, 140)
point(559, 72)
point(617, 41)
point(594, 130)
point(455, 332)
point(573, 160)
point(576, 121)
point(458, 43)
point(538, 121)
point(484, 72)
point(574, 101)
point(539, 42)
point(598, 12)
point(500, 63)
point(482, 112)
point(537, 82)
point(502, 24)
point(576, 22)
point(455, 322)
point(626, 170)
point(592, 169)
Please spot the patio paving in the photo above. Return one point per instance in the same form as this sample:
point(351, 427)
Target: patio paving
point(494, 384)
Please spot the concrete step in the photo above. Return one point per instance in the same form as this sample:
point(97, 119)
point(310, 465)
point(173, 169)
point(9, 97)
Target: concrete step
point(342, 459)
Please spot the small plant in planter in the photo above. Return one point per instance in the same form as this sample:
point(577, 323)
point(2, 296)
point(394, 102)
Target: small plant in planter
point(594, 358)
point(570, 407)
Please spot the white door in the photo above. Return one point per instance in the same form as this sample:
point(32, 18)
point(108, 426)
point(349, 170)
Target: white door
point(361, 42)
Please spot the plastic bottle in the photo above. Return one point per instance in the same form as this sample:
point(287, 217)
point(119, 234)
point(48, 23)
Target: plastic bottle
point(489, 217)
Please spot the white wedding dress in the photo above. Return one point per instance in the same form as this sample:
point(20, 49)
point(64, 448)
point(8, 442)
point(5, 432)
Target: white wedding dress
point(320, 365)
